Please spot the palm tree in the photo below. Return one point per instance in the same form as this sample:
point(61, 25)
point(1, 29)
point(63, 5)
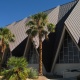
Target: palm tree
point(5, 37)
point(39, 26)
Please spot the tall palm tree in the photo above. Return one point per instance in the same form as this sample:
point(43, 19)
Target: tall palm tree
point(39, 26)
point(5, 37)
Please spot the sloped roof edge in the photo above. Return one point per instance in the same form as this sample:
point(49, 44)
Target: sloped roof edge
point(73, 22)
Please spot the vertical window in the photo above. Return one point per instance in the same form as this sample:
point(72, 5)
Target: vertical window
point(32, 56)
point(69, 52)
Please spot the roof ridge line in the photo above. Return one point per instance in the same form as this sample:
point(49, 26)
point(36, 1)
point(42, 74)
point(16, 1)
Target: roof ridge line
point(68, 2)
point(59, 5)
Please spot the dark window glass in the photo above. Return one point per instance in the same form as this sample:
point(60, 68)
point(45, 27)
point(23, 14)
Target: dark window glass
point(70, 61)
point(32, 57)
point(75, 50)
point(65, 51)
point(76, 59)
point(65, 43)
point(70, 56)
point(61, 57)
point(61, 49)
point(74, 44)
point(61, 53)
point(70, 48)
point(69, 39)
point(65, 59)
point(57, 60)
point(70, 45)
point(65, 36)
point(70, 53)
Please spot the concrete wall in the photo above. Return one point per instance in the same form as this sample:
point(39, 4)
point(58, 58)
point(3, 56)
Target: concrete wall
point(61, 68)
point(36, 66)
point(70, 74)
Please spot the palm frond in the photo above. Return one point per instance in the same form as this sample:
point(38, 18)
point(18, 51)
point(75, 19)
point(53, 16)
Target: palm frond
point(30, 23)
point(34, 32)
point(7, 35)
point(51, 27)
point(33, 27)
point(29, 31)
point(40, 27)
point(43, 32)
point(44, 16)
point(37, 23)
point(6, 42)
point(0, 37)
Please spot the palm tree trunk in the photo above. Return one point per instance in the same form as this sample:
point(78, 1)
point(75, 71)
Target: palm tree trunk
point(0, 60)
point(1, 54)
point(3, 46)
point(40, 56)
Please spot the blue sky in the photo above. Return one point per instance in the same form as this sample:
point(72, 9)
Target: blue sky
point(14, 10)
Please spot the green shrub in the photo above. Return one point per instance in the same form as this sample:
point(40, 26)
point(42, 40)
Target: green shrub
point(33, 73)
point(18, 69)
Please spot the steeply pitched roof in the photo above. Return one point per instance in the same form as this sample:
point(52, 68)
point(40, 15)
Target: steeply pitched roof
point(61, 23)
point(50, 47)
point(64, 9)
point(73, 23)
point(55, 16)
point(18, 29)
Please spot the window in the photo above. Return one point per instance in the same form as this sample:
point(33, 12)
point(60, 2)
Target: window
point(32, 56)
point(71, 55)
point(65, 51)
point(76, 59)
point(75, 50)
point(70, 47)
point(71, 61)
point(69, 52)
point(65, 43)
point(65, 59)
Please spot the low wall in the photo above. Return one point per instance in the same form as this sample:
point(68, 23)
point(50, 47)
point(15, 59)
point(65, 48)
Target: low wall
point(60, 69)
point(70, 74)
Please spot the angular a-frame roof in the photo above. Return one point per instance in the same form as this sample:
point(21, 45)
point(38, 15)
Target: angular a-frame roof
point(18, 29)
point(73, 23)
point(54, 15)
point(59, 16)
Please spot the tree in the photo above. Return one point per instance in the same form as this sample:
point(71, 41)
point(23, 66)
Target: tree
point(18, 69)
point(39, 26)
point(5, 37)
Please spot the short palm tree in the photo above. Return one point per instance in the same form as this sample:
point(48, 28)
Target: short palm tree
point(5, 37)
point(18, 69)
point(39, 26)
